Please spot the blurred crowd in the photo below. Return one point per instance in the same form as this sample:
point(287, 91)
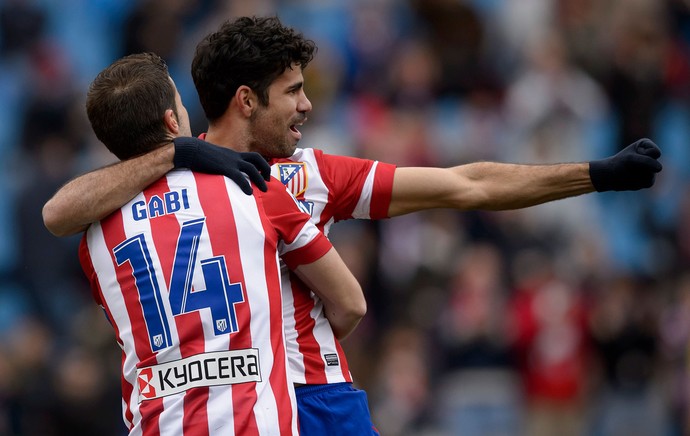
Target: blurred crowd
point(569, 318)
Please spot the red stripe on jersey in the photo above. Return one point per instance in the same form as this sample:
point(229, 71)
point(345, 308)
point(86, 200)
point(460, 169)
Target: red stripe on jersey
point(382, 191)
point(304, 324)
point(90, 272)
point(97, 292)
point(153, 409)
point(289, 221)
point(222, 229)
point(283, 212)
point(311, 252)
point(343, 361)
point(114, 234)
point(195, 420)
point(127, 389)
point(345, 178)
point(191, 334)
point(278, 377)
point(286, 220)
point(164, 232)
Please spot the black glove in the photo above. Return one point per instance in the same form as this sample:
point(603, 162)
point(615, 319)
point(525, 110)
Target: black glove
point(632, 168)
point(204, 157)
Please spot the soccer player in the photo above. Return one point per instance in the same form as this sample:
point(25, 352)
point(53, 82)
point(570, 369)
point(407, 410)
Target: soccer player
point(249, 78)
point(188, 275)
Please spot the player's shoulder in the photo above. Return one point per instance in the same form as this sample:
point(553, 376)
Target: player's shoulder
point(305, 154)
point(320, 156)
point(309, 156)
point(319, 160)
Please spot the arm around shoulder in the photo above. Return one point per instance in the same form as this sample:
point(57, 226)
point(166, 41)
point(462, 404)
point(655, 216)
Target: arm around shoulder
point(94, 195)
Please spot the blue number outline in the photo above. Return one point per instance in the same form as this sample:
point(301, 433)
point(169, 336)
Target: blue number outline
point(220, 296)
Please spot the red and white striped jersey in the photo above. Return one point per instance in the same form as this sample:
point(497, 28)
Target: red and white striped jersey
point(331, 188)
point(189, 277)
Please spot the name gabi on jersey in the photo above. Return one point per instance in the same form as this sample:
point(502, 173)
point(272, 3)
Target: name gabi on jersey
point(206, 369)
point(171, 202)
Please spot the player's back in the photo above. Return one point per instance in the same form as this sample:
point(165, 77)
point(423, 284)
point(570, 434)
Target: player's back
point(188, 275)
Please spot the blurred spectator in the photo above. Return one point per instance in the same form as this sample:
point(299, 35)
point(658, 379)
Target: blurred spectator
point(674, 333)
point(28, 397)
point(624, 328)
point(22, 24)
point(553, 107)
point(414, 75)
point(479, 392)
point(549, 338)
point(472, 128)
point(456, 36)
point(636, 81)
point(53, 107)
point(401, 393)
point(683, 232)
point(86, 402)
point(53, 134)
point(371, 42)
point(49, 272)
point(156, 26)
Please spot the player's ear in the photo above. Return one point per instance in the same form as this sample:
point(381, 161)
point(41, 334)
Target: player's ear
point(170, 121)
point(246, 100)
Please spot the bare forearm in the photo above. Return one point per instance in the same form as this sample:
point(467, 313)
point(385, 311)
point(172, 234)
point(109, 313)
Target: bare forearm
point(342, 323)
point(94, 195)
point(512, 186)
point(486, 186)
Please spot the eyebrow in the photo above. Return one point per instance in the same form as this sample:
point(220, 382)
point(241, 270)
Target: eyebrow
point(295, 87)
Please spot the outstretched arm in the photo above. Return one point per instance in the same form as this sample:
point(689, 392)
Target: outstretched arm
point(500, 186)
point(95, 195)
point(486, 186)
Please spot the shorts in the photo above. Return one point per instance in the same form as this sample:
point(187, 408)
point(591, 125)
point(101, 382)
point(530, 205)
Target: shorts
point(333, 409)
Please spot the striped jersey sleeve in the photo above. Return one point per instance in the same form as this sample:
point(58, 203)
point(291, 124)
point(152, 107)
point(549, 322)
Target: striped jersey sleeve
point(359, 188)
point(300, 241)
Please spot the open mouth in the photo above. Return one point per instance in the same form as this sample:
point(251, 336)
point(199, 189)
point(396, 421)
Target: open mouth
point(294, 129)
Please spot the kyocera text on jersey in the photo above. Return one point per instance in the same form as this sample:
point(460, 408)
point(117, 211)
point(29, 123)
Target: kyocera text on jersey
point(172, 201)
point(206, 369)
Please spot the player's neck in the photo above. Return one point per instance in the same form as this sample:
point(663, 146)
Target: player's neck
point(227, 137)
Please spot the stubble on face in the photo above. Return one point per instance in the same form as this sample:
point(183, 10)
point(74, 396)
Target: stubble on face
point(274, 128)
point(269, 134)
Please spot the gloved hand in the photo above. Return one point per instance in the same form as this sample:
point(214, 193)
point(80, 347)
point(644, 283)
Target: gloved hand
point(632, 168)
point(204, 157)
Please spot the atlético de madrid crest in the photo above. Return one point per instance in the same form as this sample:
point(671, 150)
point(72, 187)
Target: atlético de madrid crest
point(294, 177)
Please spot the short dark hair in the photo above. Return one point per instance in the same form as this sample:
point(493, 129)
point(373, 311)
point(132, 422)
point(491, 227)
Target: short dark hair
point(251, 51)
point(126, 104)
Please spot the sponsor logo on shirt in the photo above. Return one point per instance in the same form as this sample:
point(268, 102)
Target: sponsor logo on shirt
point(207, 369)
point(331, 359)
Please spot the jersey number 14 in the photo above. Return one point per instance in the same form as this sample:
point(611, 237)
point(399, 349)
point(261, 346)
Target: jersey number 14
point(220, 296)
